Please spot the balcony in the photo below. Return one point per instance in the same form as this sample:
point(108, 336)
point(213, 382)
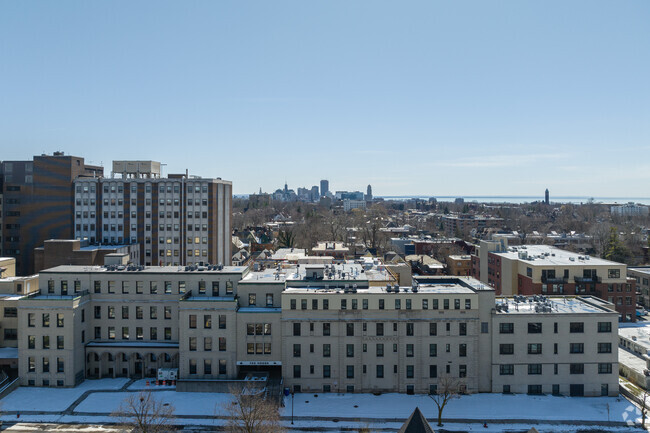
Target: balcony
point(594, 279)
point(555, 280)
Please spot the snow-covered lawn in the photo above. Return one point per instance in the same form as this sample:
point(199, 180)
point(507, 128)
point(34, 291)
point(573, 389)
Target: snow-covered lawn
point(185, 403)
point(476, 407)
point(55, 399)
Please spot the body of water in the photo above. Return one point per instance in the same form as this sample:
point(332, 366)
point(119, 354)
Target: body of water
point(523, 199)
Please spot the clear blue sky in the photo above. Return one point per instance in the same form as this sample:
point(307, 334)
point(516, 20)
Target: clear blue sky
point(432, 98)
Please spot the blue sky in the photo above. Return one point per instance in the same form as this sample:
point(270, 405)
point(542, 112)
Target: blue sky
point(431, 98)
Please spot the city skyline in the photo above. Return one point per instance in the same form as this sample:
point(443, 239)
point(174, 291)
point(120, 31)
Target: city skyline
point(436, 98)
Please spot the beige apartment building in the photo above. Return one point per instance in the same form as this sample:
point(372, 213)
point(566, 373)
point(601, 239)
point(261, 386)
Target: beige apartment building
point(321, 328)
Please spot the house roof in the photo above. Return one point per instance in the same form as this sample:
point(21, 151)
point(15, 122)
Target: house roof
point(416, 423)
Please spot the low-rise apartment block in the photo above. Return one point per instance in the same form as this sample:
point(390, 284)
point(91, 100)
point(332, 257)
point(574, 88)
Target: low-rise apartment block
point(545, 270)
point(320, 327)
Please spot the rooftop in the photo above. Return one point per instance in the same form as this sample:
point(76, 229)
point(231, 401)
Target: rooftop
point(213, 269)
point(640, 335)
point(439, 285)
point(550, 305)
point(546, 255)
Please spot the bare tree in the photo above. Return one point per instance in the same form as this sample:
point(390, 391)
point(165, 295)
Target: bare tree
point(250, 412)
point(448, 389)
point(144, 413)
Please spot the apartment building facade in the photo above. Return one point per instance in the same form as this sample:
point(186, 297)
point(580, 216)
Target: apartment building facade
point(545, 270)
point(321, 328)
point(37, 203)
point(176, 220)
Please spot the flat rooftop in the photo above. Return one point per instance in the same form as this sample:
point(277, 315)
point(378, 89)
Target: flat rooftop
point(640, 269)
point(549, 305)
point(545, 255)
point(443, 286)
point(145, 270)
point(640, 335)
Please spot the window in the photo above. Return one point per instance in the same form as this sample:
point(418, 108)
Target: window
point(534, 328)
point(349, 329)
point(604, 347)
point(433, 329)
point(252, 299)
point(364, 304)
point(350, 350)
point(192, 344)
point(425, 304)
point(222, 344)
point(462, 371)
point(398, 304)
point(344, 304)
point(207, 321)
point(46, 320)
point(485, 327)
point(576, 327)
point(468, 304)
point(380, 350)
point(222, 321)
point(381, 304)
point(576, 368)
point(534, 348)
point(433, 350)
point(59, 342)
point(408, 304)
point(296, 371)
point(577, 348)
point(534, 389)
point(269, 299)
point(613, 273)
point(296, 329)
point(380, 371)
point(153, 287)
point(60, 365)
point(192, 366)
point(327, 371)
point(296, 350)
point(192, 321)
point(445, 304)
point(153, 334)
point(46, 365)
point(410, 371)
point(506, 369)
point(604, 368)
point(31, 342)
point(410, 329)
point(125, 312)
point(31, 321)
point(327, 351)
point(604, 326)
point(379, 329)
point(433, 371)
point(506, 328)
point(462, 328)
point(31, 364)
point(456, 304)
point(326, 329)
point(462, 349)
point(534, 368)
point(349, 369)
point(326, 304)
point(506, 349)
point(303, 304)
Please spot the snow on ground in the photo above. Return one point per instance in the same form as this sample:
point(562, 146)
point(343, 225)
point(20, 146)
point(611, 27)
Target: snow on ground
point(185, 403)
point(141, 384)
point(475, 406)
point(55, 399)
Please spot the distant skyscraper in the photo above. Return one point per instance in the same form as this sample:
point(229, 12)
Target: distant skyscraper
point(369, 193)
point(546, 196)
point(324, 187)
